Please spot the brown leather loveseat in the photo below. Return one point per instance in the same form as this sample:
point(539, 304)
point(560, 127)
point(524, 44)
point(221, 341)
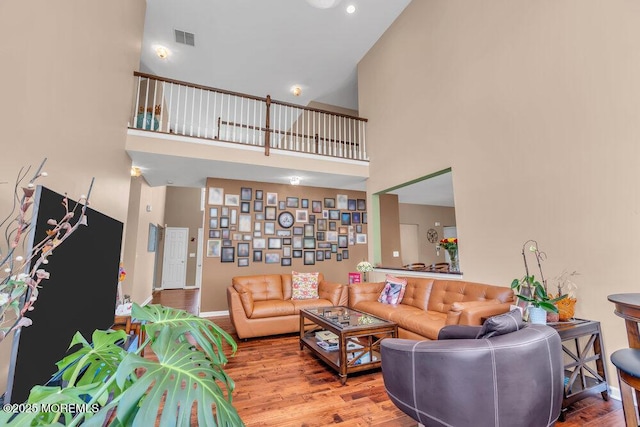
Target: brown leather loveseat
point(262, 305)
point(429, 304)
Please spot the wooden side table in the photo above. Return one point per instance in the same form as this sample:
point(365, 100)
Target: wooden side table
point(130, 328)
point(585, 371)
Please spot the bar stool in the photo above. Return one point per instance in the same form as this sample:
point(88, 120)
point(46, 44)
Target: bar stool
point(627, 363)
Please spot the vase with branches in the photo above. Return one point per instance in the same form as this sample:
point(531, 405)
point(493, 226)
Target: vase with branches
point(23, 268)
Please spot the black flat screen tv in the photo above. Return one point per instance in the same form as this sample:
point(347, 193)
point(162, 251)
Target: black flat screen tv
point(79, 296)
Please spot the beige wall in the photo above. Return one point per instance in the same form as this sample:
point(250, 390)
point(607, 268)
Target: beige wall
point(389, 231)
point(138, 261)
point(183, 210)
point(52, 52)
point(216, 275)
point(425, 217)
point(535, 106)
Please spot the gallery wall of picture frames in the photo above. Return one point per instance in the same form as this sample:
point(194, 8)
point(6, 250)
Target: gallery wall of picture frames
point(257, 226)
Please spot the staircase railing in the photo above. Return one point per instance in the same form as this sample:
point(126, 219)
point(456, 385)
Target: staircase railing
point(175, 107)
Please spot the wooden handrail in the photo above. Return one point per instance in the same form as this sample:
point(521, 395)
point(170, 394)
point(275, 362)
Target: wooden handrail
point(244, 95)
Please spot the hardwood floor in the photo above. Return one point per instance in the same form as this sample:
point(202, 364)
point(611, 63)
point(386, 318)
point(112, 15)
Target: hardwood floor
point(277, 384)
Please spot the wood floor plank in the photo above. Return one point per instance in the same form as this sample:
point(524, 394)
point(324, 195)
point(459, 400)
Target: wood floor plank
point(279, 385)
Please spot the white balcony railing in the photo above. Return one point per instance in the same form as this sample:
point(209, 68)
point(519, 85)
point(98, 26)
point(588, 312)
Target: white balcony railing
point(170, 106)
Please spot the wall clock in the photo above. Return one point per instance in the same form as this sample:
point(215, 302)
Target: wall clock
point(432, 235)
point(285, 219)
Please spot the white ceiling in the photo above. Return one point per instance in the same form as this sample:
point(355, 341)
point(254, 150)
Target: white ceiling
point(435, 191)
point(264, 48)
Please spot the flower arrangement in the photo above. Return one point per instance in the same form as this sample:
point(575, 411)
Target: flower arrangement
point(364, 266)
point(449, 244)
point(530, 290)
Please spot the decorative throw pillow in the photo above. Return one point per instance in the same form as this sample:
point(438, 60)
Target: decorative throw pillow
point(393, 290)
point(502, 324)
point(304, 285)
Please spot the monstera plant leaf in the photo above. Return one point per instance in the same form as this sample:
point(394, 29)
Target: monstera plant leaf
point(60, 402)
point(181, 377)
point(205, 333)
point(96, 362)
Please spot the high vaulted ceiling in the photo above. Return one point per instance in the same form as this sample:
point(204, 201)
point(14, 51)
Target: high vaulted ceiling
point(264, 47)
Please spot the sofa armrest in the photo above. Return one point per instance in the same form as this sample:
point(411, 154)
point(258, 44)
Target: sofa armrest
point(475, 314)
point(334, 292)
point(240, 299)
point(364, 292)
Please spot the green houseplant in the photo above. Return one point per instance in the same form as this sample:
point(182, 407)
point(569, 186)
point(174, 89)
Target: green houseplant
point(532, 292)
point(102, 382)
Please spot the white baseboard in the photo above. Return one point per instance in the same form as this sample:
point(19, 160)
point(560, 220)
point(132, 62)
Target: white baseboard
point(214, 313)
point(614, 393)
point(147, 301)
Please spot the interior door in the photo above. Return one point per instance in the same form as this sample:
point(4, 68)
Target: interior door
point(174, 266)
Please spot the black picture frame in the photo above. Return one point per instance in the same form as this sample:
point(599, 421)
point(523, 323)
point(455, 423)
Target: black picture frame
point(245, 207)
point(285, 262)
point(304, 203)
point(297, 253)
point(355, 217)
point(352, 205)
point(329, 203)
point(243, 250)
point(309, 257)
point(228, 254)
point(345, 254)
point(334, 214)
point(361, 204)
point(257, 256)
point(345, 218)
point(343, 241)
point(282, 205)
point(316, 206)
point(319, 255)
point(245, 193)
point(270, 213)
point(292, 202)
point(258, 206)
point(309, 243)
point(258, 194)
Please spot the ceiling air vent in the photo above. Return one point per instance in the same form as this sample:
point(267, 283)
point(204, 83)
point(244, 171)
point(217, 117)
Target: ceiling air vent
point(185, 38)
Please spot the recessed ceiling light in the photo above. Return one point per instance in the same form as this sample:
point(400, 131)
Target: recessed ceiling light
point(351, 8)
point(294, 180)
point(324, 4)
point(162, 52)
point(296, 90)
point(135, 171)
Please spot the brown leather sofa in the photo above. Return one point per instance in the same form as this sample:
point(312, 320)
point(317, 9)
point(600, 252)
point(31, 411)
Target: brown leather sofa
point(261, 305)
point(430, 304)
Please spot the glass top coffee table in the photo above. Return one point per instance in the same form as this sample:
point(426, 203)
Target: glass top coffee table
point(347, 340)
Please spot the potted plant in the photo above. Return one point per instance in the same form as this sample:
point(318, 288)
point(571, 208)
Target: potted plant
point(534, 293)
point(103, 383)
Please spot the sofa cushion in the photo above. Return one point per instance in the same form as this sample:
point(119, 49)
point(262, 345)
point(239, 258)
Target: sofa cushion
point(417, 292)
point(272, 308)
point(304, 286)
point(262, 287)
point(501, 324)
point(393, 290)
point(299, 304)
